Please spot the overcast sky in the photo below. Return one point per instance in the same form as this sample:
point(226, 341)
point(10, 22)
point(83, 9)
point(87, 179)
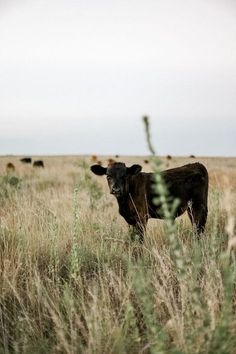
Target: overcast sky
point(76, 76)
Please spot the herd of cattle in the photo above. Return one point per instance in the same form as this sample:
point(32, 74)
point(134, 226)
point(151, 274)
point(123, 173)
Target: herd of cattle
point(137, 199)
point(94, 158)
point(10, 167)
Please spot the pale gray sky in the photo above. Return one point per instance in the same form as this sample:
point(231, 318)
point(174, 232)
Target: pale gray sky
point(76, 76)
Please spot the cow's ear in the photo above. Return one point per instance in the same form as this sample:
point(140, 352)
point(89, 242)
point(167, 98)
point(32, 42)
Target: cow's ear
point(134, 169)
point(98, 170)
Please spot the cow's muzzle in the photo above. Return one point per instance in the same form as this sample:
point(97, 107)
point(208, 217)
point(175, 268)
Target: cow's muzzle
point(116, 192)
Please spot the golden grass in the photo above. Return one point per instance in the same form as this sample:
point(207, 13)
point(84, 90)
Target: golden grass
point(71, 283)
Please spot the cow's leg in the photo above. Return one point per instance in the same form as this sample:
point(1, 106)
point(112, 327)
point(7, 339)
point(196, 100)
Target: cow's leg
point(197, 213)
point(139, 230)
point(137, 233)
point(132, 233)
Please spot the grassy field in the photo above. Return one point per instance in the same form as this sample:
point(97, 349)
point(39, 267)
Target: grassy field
point(72, 282)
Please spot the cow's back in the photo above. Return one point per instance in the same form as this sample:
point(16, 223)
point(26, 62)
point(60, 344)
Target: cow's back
point(187, 182)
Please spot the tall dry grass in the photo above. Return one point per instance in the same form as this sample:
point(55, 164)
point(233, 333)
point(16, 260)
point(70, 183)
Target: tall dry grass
point(71, 283)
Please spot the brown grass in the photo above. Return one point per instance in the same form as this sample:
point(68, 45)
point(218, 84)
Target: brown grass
point(72, 282)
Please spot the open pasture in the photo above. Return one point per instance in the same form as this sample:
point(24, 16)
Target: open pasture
point(72, 282)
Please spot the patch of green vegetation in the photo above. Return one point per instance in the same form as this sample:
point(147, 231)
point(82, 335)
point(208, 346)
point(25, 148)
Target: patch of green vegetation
point(9, 185)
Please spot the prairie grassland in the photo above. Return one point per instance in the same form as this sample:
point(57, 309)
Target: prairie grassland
point(71, 282)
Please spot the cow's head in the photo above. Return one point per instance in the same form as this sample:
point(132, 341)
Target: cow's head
point(117, 176)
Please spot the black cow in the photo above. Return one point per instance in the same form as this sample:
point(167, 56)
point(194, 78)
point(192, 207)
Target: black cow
point(26, 160)
point(38, 163)
point(134, 193)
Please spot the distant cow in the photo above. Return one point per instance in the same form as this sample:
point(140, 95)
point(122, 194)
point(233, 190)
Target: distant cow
point(146, 161)
point(168, 157)
point(94, 158)
point(110, 161)
point(10, 167)
point(26, 160)
point(117, 156)
point(38, 163)
point(134, 193)
point(192, 156)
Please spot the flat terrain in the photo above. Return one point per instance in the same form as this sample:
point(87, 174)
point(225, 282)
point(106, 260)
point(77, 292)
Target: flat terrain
point(72, 282)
